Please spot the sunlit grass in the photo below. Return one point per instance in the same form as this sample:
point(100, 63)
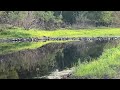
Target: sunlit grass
point(6, 48)
point(106, 66)
point(19, 32)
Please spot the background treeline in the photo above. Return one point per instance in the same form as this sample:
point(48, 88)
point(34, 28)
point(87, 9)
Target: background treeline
point(50, 20)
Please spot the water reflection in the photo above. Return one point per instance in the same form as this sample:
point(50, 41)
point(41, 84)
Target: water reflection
point(31, 63)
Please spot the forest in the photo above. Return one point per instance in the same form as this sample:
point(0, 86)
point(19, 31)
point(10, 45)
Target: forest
point(51, 20)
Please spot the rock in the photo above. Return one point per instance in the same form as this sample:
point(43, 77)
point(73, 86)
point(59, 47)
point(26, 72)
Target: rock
point(61, 74)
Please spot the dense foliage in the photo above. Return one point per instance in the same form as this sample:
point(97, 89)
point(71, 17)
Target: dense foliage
point(60, 19)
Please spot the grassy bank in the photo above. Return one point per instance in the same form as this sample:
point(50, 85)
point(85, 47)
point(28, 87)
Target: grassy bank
point(106, 66)
point(19, 32)
point(6, 48)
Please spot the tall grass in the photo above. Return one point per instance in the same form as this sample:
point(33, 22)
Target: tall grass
point(106, 66)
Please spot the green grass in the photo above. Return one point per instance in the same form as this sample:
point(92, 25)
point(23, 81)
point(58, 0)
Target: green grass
point(19, 32)
point(6, 48)
point(106, 66)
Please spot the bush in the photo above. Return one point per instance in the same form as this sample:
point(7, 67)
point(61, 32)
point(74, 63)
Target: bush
point(13, 75)
point(106, 66)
